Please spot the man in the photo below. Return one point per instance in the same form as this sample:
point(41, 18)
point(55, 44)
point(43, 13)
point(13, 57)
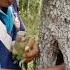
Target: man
point(7, 36)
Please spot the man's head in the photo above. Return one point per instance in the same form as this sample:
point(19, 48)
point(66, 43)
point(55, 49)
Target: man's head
point(5, 3)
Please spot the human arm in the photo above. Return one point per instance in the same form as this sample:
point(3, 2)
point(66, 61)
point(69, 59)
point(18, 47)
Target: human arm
point(31, 51)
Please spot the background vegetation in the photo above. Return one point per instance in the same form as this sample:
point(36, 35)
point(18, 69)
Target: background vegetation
point(30, 13)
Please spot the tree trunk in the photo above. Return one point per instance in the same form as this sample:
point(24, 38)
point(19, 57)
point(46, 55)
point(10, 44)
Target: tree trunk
point(55, 26)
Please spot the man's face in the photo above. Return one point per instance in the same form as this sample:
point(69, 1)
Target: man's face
point(5, 3)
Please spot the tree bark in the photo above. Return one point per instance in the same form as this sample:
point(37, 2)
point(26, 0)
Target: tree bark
point(55, 26)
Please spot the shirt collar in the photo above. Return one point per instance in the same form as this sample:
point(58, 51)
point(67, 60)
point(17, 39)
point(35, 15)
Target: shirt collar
point(2, 12)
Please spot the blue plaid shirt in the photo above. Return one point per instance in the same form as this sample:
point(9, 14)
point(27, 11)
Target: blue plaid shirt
point(7, 35)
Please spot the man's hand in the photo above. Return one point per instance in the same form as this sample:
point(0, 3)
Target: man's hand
point(21, 36)
point(31, 51)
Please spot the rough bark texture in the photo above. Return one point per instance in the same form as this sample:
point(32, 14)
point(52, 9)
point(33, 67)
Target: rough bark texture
point(55, 27)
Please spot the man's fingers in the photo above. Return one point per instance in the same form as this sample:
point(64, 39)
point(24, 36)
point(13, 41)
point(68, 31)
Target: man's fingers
point(31, 42)
point(29, 59)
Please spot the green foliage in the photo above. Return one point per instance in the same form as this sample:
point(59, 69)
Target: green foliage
point(30, 14)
